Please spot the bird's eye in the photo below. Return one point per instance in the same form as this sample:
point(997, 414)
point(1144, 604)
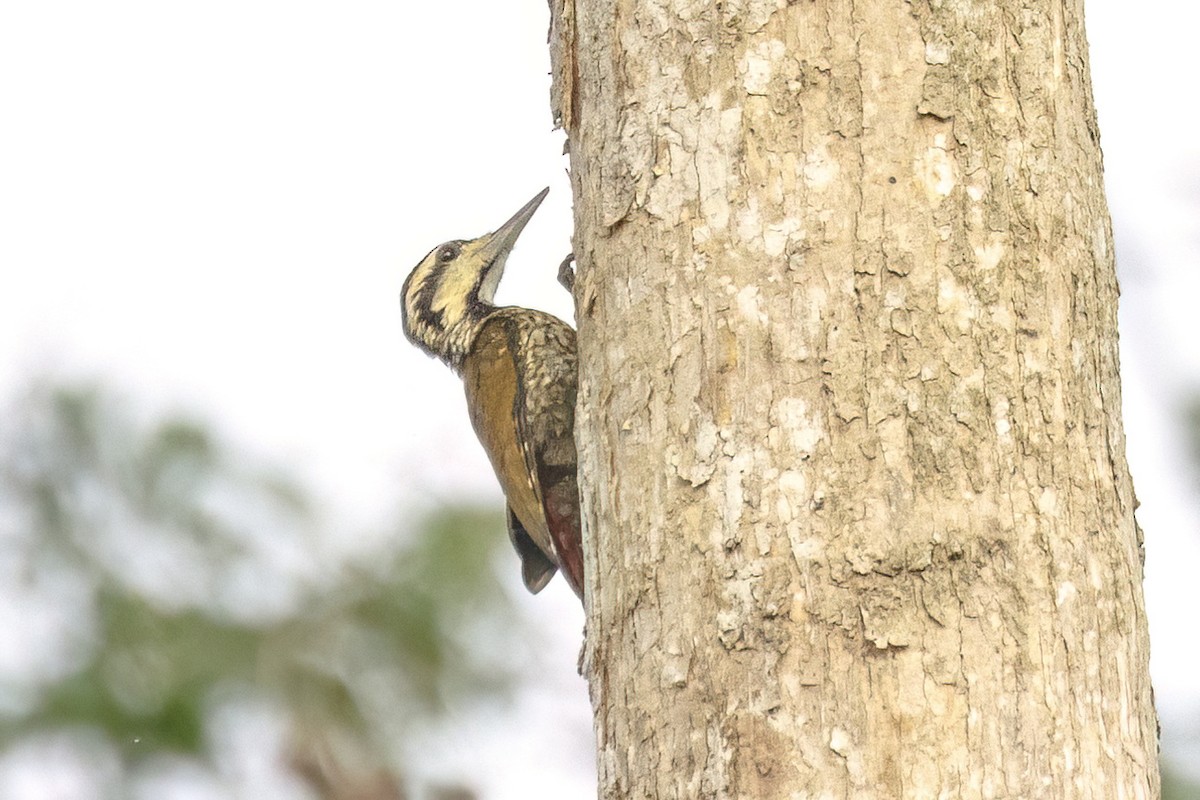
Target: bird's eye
point(448, 252)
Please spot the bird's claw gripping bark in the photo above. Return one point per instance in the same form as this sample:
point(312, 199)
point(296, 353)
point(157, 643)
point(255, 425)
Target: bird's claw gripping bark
point(566, 273)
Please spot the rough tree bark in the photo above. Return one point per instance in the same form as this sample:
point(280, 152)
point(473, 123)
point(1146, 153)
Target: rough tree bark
point(859, 518)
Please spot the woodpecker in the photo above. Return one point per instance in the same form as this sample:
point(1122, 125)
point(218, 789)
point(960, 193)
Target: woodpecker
point(518, 367)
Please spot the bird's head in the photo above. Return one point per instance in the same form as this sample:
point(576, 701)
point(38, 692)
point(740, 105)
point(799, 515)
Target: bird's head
point(446, 297)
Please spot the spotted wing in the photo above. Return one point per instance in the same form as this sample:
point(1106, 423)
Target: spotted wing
point(548, 365)
point(520, 379)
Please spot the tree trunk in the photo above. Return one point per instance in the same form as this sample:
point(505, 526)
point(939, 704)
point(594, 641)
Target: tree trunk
point(858, 515)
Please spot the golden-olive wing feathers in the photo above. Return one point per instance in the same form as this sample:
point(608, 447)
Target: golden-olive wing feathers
point(520, 379)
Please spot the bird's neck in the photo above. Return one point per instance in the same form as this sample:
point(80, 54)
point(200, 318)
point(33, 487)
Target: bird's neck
point(460, 336)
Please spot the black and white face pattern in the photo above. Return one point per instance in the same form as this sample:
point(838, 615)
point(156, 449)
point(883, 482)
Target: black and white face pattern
point(448, 295)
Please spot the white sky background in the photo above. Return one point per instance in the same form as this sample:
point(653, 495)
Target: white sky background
point(213, 205)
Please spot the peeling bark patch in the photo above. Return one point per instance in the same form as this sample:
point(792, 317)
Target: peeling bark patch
point(841, 743)
point(989, 255)
point(757, 65)
point(936, 169)
point(937, 52)
point(748, 306)
point(820, 170)
point(1003, 425)
point(955, 303)
point(793, 497)
point(778, 235)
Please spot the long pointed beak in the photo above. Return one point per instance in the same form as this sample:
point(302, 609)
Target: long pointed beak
point(501, 240)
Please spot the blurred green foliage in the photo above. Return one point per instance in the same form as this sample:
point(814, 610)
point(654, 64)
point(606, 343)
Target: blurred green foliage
point(1176, 787)
point(196, 574)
